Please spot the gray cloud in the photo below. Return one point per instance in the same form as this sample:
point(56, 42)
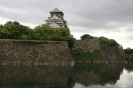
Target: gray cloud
point(83, 16)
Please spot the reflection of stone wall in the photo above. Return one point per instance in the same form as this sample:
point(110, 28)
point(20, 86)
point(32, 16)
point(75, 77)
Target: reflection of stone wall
point(111, 73)
point(97, 74)
point(16, 53)
point(34, 76)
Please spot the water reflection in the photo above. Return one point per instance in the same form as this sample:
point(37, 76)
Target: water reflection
point(78, 76)
point(97, 74)
point(34, 76)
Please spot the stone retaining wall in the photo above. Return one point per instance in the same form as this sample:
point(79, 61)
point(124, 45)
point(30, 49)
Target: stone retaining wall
point(11, 51)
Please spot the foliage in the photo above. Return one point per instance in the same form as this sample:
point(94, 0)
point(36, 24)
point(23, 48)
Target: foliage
point(86, 36)
point(1, 26)
point(110, 42)
point(128, 54)
point(47, 33)
point(44, 32)
point(128, 51)
point(103, 40)
point(14, 30)
point(80, 55)
point(71, 42)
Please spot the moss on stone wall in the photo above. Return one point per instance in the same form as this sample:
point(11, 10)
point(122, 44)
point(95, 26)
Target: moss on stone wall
point(30, 42)
point(95, 55)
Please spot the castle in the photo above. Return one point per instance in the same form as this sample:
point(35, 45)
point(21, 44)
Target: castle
point(56, 19)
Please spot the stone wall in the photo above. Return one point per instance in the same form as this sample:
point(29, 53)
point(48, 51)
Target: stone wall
point(55, 52)
point(109, 53)
point(87, 45)
point(52, 52)
point(112, 53)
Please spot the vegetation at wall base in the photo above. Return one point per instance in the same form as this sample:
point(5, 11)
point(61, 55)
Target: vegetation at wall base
point(30, 42)
point(89, 56)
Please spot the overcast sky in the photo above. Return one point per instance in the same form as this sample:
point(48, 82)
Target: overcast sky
point(109, 18)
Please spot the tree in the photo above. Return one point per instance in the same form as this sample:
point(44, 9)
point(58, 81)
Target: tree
point(1, 26)
point(128, 50)
point(71, 42)
point(16, 23)
point(44, 32)
point(104, 40)
point(62, 32)
point(16, 30)
point(86, 36)
point(4, 33)
point(107, 41)
point(112, 42)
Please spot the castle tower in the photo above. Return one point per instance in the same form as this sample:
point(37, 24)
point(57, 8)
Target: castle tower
point(56, 20)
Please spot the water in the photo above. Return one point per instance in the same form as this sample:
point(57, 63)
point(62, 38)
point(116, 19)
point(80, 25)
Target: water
point(77, 76)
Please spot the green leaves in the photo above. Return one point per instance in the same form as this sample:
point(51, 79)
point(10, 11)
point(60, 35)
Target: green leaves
point(86, 36)
point(47, 33)
point(107, 41)
point(14, 30)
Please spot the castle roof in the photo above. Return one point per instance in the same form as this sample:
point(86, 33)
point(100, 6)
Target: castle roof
point(56, 10)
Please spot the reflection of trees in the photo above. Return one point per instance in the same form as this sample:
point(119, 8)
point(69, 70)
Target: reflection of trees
point(87, 74)
point(129, 66)
point(94, 74)
point(70, 82)
point(60, 76)
point(111, 73)
point(30, 76)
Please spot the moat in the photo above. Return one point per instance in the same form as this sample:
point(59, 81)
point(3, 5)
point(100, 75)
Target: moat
point(116, 75)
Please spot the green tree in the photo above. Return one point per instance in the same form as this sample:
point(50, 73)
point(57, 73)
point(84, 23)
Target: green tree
point(16, 23)
point(107, 41)
point(86, 36)
point(4, 33)
point(128, 50)
point(61, 34)
point(71, 42)
point(16, 30)
point(1, 26)
point(44, 32)
point(104, 40)
point(112, 42)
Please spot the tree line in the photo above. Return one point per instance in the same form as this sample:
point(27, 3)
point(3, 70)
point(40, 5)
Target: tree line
point(103, 40)
point(15, 30)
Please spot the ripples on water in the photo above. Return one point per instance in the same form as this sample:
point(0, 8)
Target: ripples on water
point(77, 76)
